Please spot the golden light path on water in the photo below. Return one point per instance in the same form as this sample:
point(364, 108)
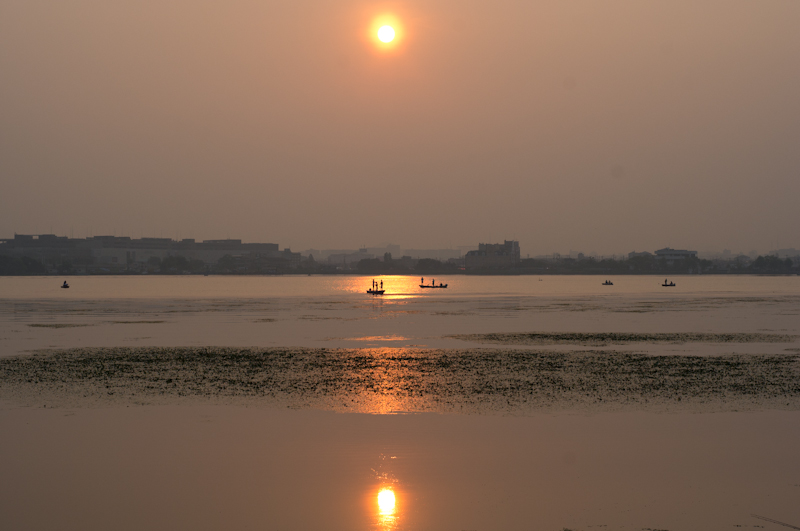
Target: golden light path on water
point(387, 517)
point(398, 286)
point(386, 501)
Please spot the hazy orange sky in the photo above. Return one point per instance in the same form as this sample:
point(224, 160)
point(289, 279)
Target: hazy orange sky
point(594, 126)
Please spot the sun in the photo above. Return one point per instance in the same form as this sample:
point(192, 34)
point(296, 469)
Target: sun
point(386, 34)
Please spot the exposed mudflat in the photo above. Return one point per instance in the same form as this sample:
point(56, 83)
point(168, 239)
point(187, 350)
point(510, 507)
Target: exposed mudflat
point(504, 381)
point(618, 338)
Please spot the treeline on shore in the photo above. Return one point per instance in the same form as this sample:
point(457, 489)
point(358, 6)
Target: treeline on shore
point(640, 265)
point(228, 265)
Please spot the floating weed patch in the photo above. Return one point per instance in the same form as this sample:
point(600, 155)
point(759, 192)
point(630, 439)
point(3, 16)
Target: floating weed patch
point(57, 325)
point(392, 337)
point(136, 322)
point(619, 338)
point(379, 380)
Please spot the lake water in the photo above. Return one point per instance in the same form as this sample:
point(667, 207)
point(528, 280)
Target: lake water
point(558, 430)
point(328, 311)
point(323, 287)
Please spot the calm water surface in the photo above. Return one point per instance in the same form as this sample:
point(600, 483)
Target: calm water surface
point(348, 287)
point(328, 311)
point(164, 468)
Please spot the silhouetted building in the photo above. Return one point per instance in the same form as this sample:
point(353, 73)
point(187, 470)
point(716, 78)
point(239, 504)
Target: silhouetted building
point(435, 254)
point(785, 253)
point(671, 255)
point(116, 254)
point(349, 260)
point(493, 256)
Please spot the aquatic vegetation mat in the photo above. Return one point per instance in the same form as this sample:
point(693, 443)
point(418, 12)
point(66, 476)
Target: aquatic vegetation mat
point(137, 322)
point(621, 338)
point(57, 325)
point(505, 381)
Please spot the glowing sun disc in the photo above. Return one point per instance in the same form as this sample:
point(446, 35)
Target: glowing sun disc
point(386, 501)
point(386, 34)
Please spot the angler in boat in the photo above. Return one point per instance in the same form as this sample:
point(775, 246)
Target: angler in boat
point(432, 284)
point(65, 285)
point(668, 285)
point(375, 290)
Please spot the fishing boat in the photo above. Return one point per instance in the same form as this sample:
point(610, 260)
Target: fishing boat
point(375, 290)
point(432, 284)
point(668, 285)
point(65, 285)
point(608, 283)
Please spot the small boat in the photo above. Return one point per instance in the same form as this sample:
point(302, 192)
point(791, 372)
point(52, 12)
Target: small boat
point(608, 283)
point(668, 285)
point(65, 285)
point(375, 290)
point(432, 284)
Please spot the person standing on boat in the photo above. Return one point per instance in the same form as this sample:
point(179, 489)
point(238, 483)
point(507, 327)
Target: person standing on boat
point(381, 284)
point(422, 280)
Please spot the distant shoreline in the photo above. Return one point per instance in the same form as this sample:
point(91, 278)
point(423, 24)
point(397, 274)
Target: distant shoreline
point(497, 273)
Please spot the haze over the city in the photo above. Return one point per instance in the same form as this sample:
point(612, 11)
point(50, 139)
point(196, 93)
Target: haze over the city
point(605, 127)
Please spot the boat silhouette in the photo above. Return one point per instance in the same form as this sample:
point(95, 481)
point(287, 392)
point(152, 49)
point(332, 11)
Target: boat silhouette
point(432, 284)
point(375, 290)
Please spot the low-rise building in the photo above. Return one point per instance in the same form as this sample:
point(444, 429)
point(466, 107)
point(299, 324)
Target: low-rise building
point(671, 255)
point(493, 256)
point(119, 254)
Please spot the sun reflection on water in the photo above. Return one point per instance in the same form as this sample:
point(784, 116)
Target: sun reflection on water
point(396, 287)
point(387, 509)
point(386, 501)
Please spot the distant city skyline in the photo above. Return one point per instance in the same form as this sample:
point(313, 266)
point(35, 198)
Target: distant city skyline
point(328, 249)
